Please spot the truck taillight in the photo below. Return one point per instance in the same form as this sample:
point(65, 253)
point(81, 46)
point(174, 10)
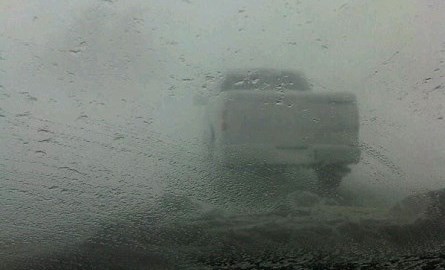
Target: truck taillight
point(223, 125)
point(223, 120)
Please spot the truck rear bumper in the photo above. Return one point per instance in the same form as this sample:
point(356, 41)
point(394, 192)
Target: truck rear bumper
point(245, 155)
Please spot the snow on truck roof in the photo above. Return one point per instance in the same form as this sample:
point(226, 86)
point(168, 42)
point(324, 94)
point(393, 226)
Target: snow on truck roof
point(263, 79)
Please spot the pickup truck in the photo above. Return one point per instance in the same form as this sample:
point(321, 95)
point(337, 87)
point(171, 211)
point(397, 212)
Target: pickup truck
point(272, 118)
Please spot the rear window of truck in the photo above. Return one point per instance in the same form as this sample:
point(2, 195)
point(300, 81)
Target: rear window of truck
point(265, 80)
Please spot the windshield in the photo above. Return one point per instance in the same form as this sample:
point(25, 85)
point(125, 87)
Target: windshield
point(235, 134)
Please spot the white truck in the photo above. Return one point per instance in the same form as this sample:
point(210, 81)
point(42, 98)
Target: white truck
point(272, 118)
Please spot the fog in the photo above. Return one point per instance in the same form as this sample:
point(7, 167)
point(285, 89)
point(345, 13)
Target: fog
point(96, 98)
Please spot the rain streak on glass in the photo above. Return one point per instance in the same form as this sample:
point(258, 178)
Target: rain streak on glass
point(193, 134)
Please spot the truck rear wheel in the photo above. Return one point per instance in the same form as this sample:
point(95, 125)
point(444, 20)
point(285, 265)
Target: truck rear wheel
point(330, 176)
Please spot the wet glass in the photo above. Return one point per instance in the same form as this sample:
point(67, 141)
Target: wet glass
point(132, 137)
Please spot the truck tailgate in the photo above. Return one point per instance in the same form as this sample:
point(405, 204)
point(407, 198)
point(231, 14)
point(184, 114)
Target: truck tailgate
point(290, 120)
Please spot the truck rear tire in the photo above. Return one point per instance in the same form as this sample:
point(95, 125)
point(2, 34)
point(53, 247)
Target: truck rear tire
point(330, 176)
